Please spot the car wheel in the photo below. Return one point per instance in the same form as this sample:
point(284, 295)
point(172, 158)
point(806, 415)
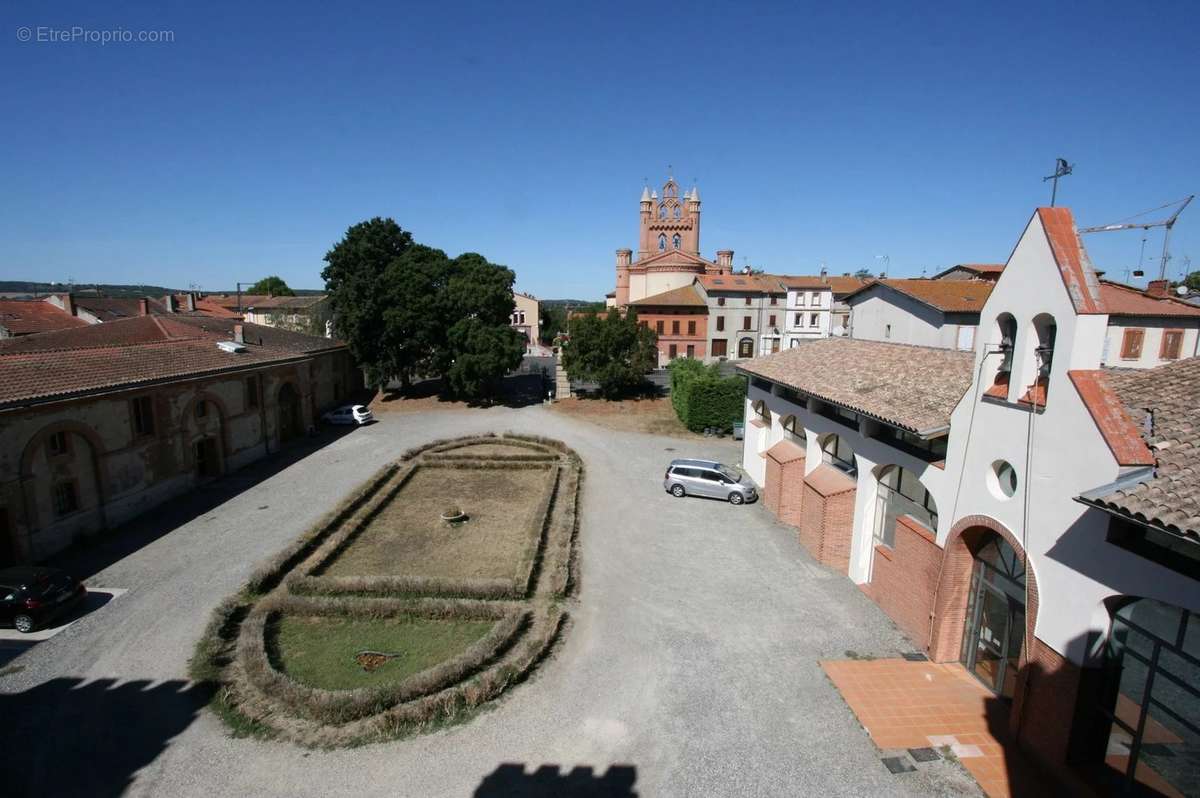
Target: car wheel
point(736, 498)
point(678, 492)
point(24, 623)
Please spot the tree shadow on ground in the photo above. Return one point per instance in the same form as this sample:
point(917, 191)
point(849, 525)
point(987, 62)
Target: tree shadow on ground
point(515, 390)
point(67, 738)
point(511, 780)
point(93, 554)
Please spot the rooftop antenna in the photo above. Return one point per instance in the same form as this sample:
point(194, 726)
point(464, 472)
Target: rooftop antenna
point(1061, 169)
point(1167, 224)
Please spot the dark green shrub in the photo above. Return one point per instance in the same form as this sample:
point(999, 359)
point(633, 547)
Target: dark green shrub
point(702, 398)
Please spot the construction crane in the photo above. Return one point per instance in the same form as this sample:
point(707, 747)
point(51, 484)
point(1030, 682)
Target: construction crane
point(1164, 223)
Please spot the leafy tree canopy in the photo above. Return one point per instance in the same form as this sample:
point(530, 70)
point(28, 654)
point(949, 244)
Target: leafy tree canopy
point(408, 310)
point(612, 350)
point(271, 286)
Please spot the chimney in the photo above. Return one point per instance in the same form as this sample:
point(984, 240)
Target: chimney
point(169, 303)
point(69, 303)
point(191, 302)
point(143, 307)
point(239, 335)
point(725, 258)
point(1159, 289)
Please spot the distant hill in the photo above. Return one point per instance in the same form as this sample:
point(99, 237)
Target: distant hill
point(576, 304)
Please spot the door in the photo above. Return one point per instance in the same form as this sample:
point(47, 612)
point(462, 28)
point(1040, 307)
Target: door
point(774, 345)
point(8, 554)
point(691, 351)
point(710, 484)
point(997, 626)
point(208, 464)
point(746, 347)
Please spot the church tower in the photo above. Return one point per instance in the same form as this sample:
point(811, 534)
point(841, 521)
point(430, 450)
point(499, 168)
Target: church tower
point(670, 222)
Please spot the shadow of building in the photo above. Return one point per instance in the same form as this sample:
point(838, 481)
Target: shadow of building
point(510, 779)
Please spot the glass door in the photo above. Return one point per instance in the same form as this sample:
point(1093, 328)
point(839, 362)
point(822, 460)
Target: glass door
point(995, 629)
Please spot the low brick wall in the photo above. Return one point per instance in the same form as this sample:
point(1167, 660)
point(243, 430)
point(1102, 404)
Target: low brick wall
point(904, 579)
point(827, 517)
point(783, 490)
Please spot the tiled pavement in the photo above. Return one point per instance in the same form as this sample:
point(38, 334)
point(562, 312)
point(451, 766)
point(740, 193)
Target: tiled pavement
point(904, 704)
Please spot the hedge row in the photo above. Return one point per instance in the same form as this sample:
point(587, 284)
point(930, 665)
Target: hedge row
point(342, 706)
point(702, 398)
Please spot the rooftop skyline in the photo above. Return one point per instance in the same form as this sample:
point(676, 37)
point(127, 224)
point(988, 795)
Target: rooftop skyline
point(248, 144)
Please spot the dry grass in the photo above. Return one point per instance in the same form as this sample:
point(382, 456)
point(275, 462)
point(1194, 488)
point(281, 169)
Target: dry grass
point(647, 416)
point(407, 537)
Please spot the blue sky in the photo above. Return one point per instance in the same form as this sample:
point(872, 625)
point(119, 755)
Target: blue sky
point(248, 145)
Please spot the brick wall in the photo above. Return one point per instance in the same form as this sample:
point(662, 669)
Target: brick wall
point(784, 484)
point(826, 517)
point(904, 579)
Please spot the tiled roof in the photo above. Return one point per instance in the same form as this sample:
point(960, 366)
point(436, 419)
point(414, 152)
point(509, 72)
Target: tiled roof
point(983, 269)
point(1125, 300)
point(113, 308)
point(683, 296)
point(129, 352)
point(841, 285)
point(1073, 263)
point(264, 302)
point(912, 387)
point(948, 296)
point(740, 283)
point(26, 316)
point(1163, 402)
point(1117, 428)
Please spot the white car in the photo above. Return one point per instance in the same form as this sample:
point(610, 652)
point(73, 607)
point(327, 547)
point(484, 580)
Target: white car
point(350, 414)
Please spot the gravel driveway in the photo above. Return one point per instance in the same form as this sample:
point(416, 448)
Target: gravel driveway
point(691, 661)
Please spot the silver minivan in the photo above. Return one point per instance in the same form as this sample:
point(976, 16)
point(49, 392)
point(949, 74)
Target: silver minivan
point(707, 478)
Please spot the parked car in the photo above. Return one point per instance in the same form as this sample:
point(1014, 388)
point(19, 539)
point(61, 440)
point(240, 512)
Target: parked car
point(32, 596)
point(349, 414)
point(707, 478)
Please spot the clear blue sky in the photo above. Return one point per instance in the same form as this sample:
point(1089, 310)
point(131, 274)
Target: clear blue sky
point(248, 145)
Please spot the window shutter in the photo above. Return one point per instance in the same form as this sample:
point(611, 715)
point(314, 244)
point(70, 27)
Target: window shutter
point(1131, 344)
point(1172, 341)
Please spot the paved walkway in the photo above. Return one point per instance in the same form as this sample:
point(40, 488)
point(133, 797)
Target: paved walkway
point(912, 705)
point(690, 668)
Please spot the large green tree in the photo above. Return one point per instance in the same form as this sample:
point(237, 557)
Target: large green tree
point(407, 310)
point(612, 350)
point(271, 286)
point(361, 295)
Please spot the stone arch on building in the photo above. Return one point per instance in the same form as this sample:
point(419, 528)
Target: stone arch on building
point(289, 412)
point(206, 438)
point(84, 468)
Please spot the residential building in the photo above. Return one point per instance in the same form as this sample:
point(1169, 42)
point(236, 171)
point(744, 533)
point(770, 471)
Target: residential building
point(809, 309)
point(668, 255)
point(28, 316)
point(1015, 508)
point(1145, 328)
point(921, 312)
point(308, 314)
point(746, 314)
point(525, 319)
point(101, 422)
point(680, 318)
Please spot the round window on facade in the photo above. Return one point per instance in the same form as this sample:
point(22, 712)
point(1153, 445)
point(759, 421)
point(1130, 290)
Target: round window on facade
point(1003, 479)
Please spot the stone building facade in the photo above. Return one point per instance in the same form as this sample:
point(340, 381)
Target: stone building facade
point(99, 425)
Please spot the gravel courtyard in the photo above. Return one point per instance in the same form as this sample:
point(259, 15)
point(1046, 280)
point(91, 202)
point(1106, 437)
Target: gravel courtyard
point(691, 658)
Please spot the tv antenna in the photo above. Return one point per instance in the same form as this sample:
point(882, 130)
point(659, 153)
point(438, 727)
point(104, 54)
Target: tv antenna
point(1061, 169)
point(1166, 224)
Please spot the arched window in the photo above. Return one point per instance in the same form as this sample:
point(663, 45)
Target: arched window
point(662, 211)
point(678, 211)
point(760, 410)
point(1037, 371)
point(1006, 338)
point(837, 453)
point(999, 354)
point(675, 241)
point(901, 493)
point(1152, 667)
point(662, 242)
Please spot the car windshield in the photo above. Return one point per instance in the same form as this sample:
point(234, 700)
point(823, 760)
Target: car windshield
point(730, 473)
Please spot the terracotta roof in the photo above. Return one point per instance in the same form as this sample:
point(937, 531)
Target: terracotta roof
point(1125, 300)
point(113, 308)
point(785, 452)
point(828, 481)
point(1114, 423)
point(683, 296)
point(948, 296)
point(130, 352)
point(982, 269)
point(27, 316)
point(740, 283)
point(264, 302)
point(1162, 402)
point(913, 387)
point(1073, 263)
point(841, 285)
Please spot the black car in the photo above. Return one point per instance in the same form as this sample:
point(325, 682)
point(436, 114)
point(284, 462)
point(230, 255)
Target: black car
point(31, 595)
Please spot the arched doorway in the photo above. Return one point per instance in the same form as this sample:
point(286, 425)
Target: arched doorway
point(746, 347)
point(8, 548)
point(994, 632)
point(291, 417)
point(1151, 702)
